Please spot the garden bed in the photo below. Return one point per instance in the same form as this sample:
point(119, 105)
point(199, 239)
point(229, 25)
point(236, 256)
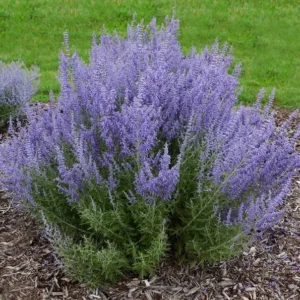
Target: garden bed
point(269, 269)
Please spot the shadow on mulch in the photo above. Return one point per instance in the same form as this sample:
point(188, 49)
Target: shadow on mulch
point(28, 268)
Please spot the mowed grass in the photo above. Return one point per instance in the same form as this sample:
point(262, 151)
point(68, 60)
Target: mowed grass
point(264, 34)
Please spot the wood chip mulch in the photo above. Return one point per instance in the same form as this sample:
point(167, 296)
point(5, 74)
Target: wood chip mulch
point(268, 269)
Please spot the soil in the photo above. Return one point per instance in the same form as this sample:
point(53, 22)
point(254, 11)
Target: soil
point(268, 269)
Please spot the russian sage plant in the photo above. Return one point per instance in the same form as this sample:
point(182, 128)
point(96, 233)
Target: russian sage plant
point(147, 152)
point(17, 86)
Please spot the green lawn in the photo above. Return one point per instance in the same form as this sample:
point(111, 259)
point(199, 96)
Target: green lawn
point(264, 34)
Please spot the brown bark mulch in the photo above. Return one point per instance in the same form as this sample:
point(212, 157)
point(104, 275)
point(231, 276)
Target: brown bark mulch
point(268, 269)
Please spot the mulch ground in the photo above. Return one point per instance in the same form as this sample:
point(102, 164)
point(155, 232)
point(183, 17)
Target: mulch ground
point(268, 269)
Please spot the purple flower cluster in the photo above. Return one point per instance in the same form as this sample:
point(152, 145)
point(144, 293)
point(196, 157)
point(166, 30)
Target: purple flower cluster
point(136, 109)
point(255, 165)
point(17, 86)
